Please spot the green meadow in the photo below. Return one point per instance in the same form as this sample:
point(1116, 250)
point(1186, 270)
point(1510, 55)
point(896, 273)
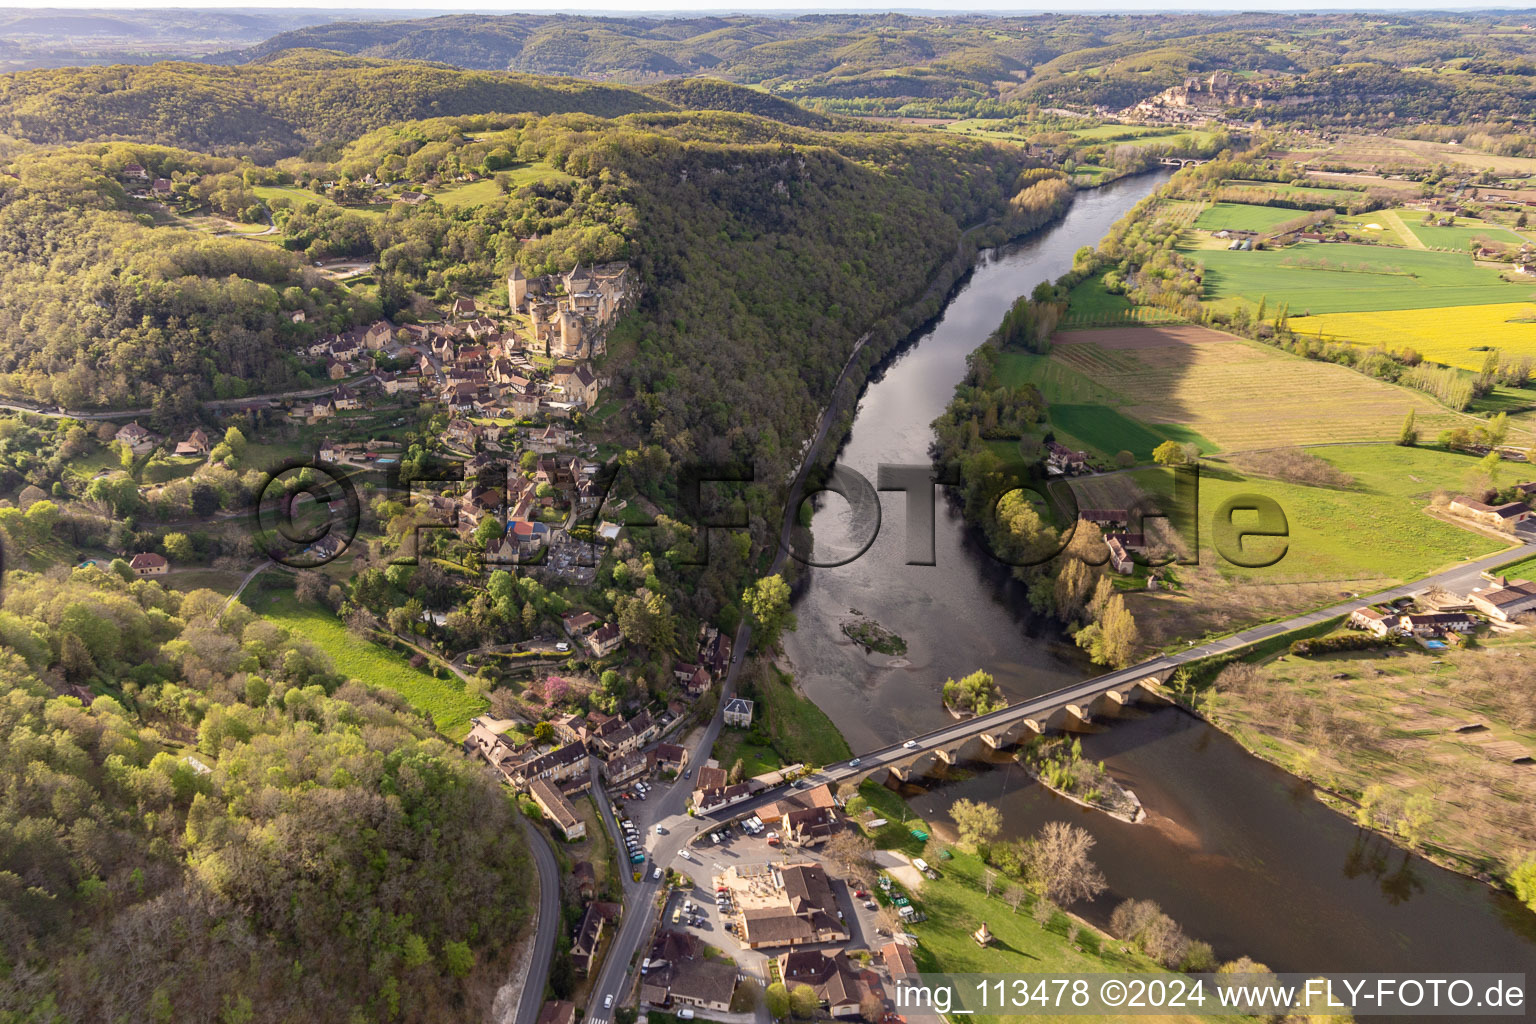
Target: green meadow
point(1376, 528)
point(1108, 431)
point(1242, 217)
point(1341, 278)
point(1461, 235)
point(446, 700)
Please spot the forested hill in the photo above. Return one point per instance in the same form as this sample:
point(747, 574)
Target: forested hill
point(244, 836)
point(280, 106)
point(1472, 64)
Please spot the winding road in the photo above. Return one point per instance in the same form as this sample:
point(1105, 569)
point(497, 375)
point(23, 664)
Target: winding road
point(547, 927)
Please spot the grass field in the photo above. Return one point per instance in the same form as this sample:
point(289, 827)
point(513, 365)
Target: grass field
point(1376, 529)
point(478, 193)
point(1107, 431)
point(1401, 713)
point(1228, 394)
point(446, 700)
point(1347, 278)
point(1455, 336)
point(472, 193)
point(801, 731)
point(956, 904)
point(303, 195)
point(1461, 235)
point(1242, 217)
point(1319, 193)
point(1375, 151)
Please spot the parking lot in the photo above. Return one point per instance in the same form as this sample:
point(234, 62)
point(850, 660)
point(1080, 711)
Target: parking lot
point(709, 859)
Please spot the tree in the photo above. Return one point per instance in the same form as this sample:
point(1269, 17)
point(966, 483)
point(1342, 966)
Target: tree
point(1125, 459)
point(544, 732)
point(852, 850)
point(737, 772)
point(767, 602)
point(1014, 896)
point(977, 821)
point(1169, 453)
point(776, 999)
point(872, 1007)
point(977, 693)
point(1523, 881)
point(458, 958)
point(803, 1002)
point(1057, 864)
point(236, 441)
point(490, 529)
point(1073, 583)
point(178, 546)
point(1120, 633)
point(1410, 434)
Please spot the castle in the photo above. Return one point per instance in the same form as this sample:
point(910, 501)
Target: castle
point(569, 315)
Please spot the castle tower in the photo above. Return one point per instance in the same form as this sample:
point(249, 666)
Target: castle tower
point(535, 322)
point(517, 288)
point(570, 333)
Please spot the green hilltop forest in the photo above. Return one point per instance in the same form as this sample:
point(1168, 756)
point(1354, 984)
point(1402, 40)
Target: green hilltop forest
point(244, 836)
point(1361, 70)
point(851, 225)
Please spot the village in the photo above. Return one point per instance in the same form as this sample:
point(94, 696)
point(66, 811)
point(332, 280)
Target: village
point(762, 895)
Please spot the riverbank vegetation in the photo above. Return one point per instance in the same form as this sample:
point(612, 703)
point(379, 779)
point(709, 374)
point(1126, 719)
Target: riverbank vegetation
point(1431, 749)
point(975, 694)
point(1058, 763)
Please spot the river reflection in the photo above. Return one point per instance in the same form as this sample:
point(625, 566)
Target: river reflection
point(1234, 849)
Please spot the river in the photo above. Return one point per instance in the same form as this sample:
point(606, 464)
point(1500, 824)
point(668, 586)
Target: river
point(1236, 850)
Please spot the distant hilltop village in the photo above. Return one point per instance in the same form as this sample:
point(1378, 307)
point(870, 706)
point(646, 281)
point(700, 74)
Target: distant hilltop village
point(1198, 99)
point(569, 315)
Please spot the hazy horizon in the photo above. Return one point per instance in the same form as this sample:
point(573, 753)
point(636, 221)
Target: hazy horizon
point(706, 7)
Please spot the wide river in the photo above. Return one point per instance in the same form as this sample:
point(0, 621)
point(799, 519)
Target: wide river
point(1237, 851)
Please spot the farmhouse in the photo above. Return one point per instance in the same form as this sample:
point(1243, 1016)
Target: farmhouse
point(1505, 601)
point(605, 641)
point(138, 440)
point(197, 443)
point(1371, 620)
point(1119, 557)
point(558, 809)
point(147, 563)
point(1509, 513)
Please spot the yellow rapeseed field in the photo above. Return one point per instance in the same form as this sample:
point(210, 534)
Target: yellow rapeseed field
point(1453, 335)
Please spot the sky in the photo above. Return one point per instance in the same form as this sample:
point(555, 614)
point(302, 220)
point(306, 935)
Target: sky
point(696, 7)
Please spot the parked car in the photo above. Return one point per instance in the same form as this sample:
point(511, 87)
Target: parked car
point(660, 831)
point(656, 874)
point(869, 905)
point(562, 647)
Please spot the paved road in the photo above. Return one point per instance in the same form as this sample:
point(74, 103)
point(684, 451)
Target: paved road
point(672, 807)
point(548, 927)
point(1458, 580)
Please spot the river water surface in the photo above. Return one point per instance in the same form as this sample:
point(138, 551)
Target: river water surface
point(1234, 849)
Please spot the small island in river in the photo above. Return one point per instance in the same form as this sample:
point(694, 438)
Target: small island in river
point(874, 637)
